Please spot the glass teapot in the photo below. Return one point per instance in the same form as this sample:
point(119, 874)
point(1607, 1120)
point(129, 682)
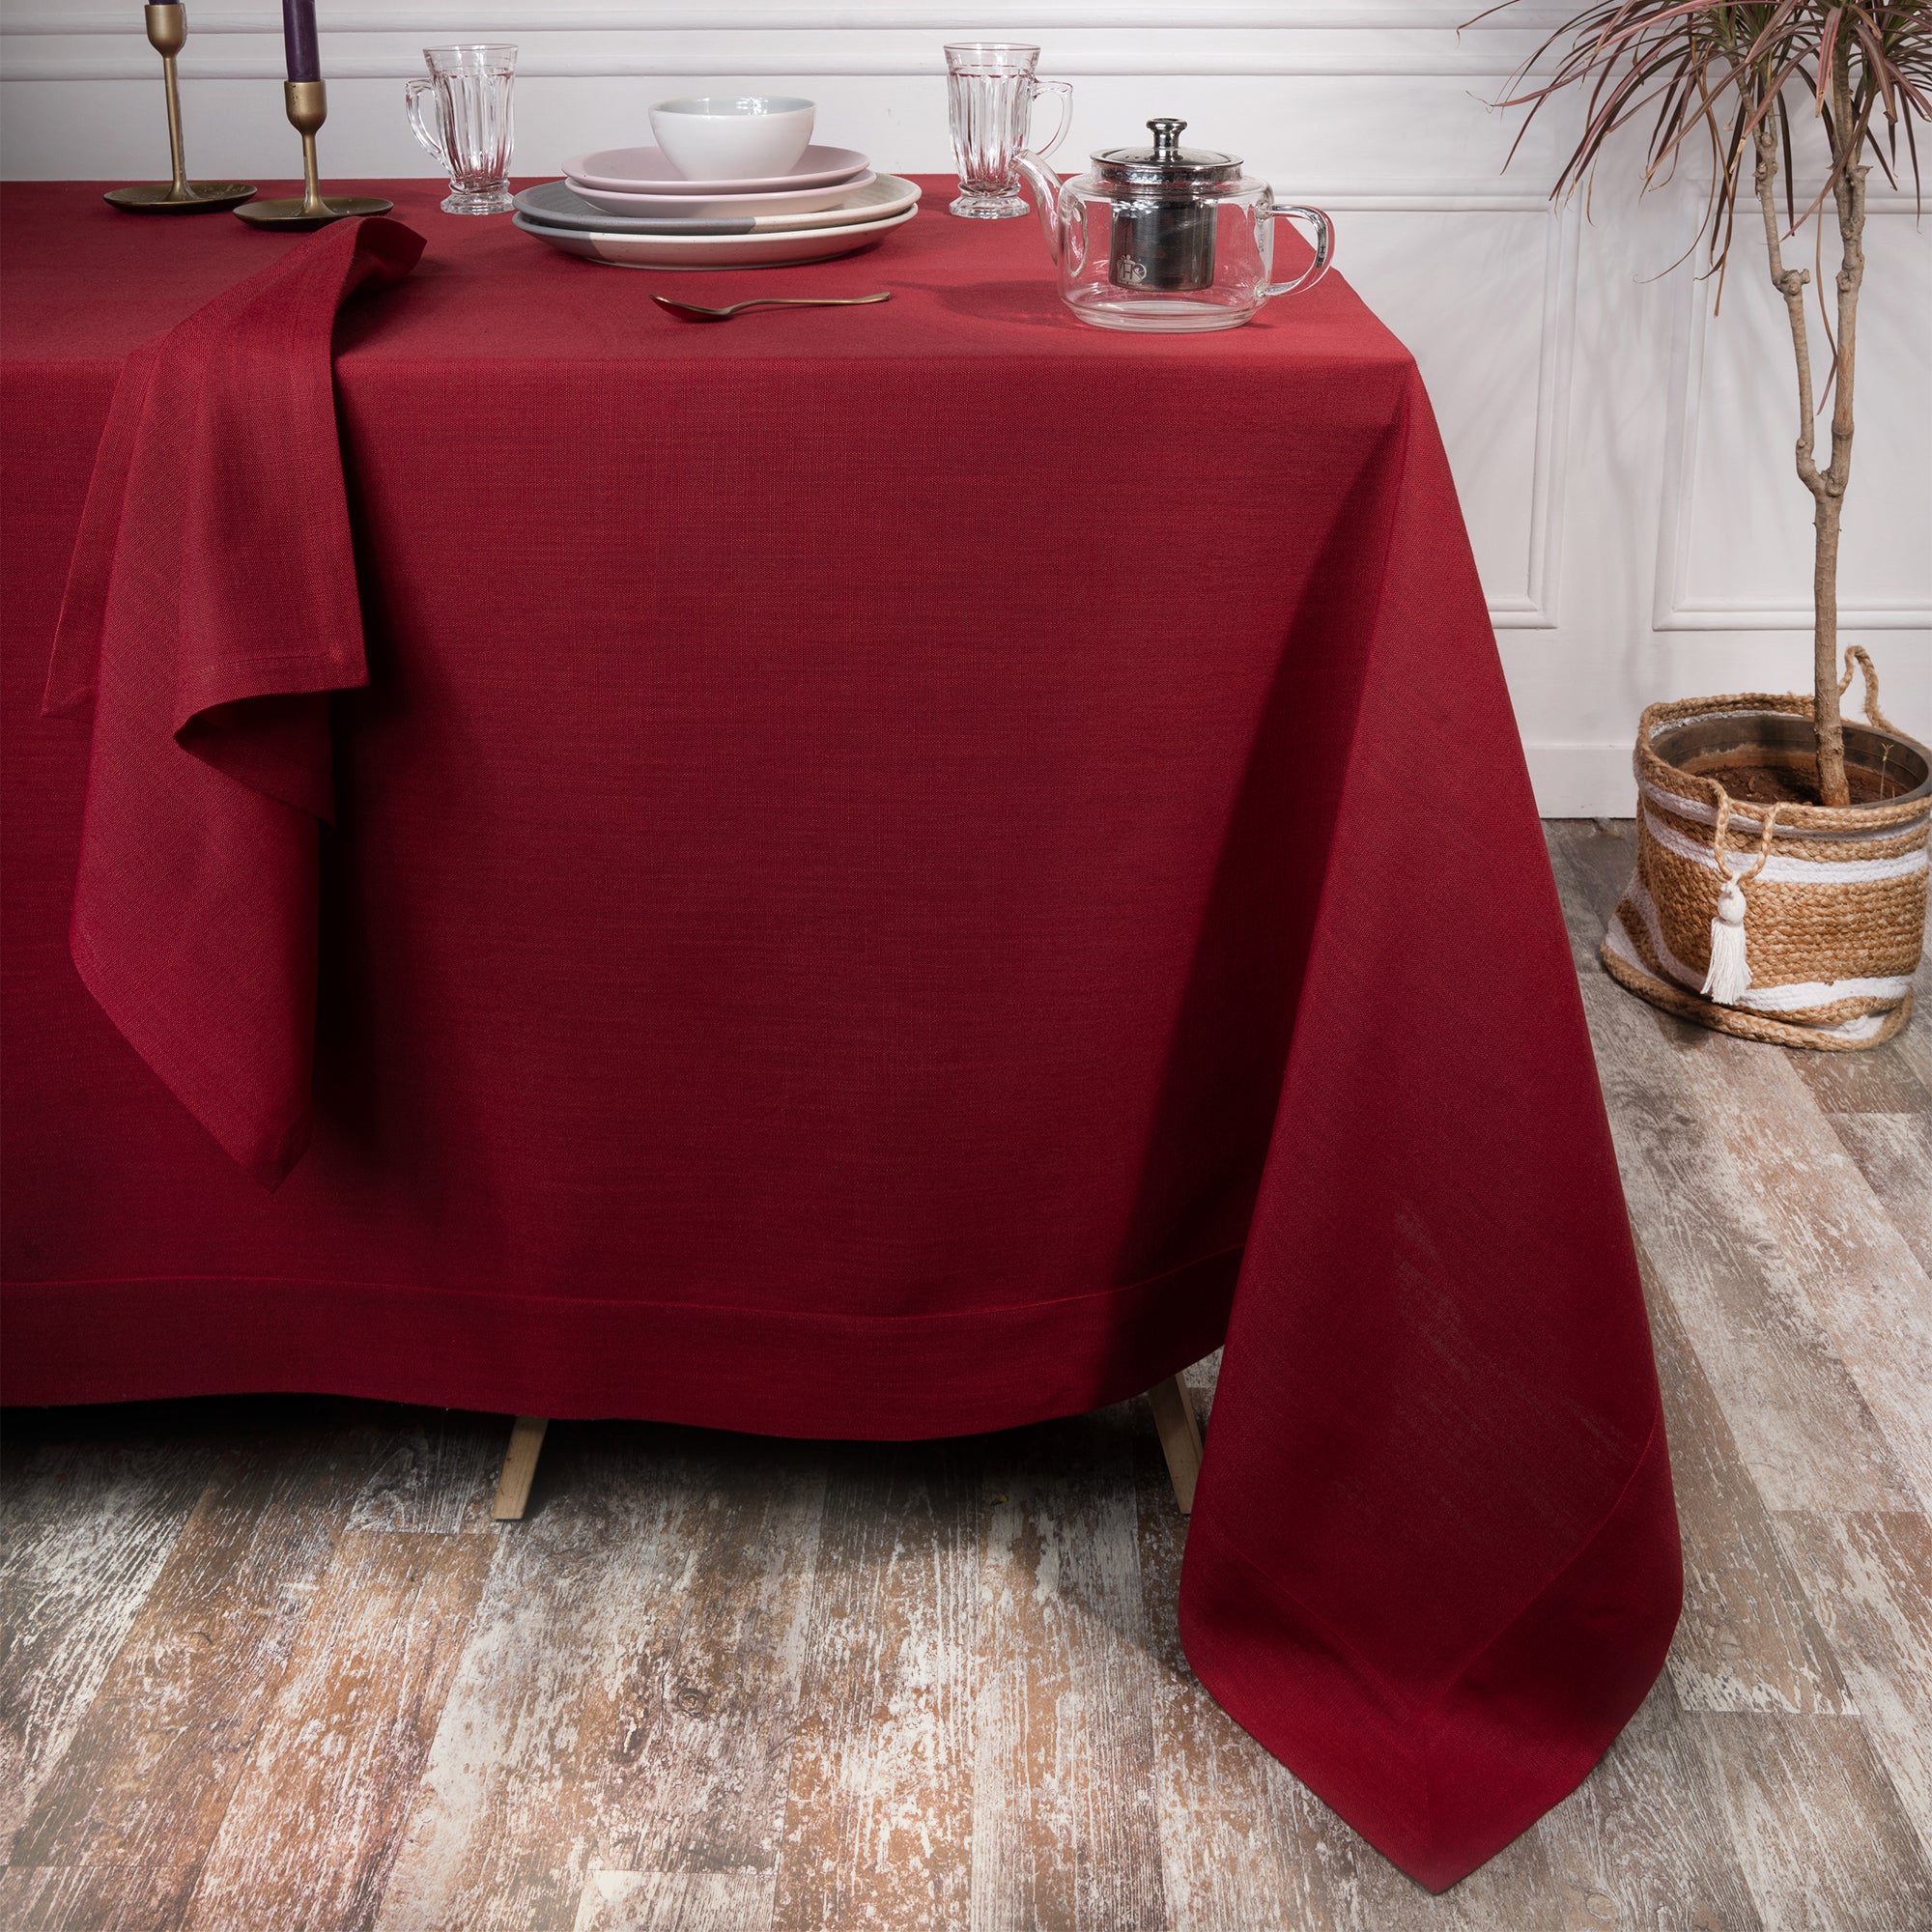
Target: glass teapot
point(1166, 237)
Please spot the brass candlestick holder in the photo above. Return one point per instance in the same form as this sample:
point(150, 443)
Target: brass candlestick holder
point(309, 108)
point(167, 34)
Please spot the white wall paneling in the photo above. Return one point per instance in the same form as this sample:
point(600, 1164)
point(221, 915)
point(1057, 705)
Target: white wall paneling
point(1624, 459)
point(1730, 454)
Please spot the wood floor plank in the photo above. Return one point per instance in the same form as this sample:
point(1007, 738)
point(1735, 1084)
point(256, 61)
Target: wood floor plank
point(501, 1835)
point(1747, 1639)
point(697, 1736)
point(317, 1816)
point(693, 1742)
point(1823, 1841)
point(1869, 1580)
point(879, 1811)
point(1851, 1263)
point(44, 1898)
point(143, 1788)
point(1893, 1152)
point(630, 1901)
point(438, 1474)
point(1639, 1846)
point(86, 1523)
point(1914, 1044)
point(1802, 1422)
point(1593, 860)
point(628, 1697)
point(1880, 1080)
point(1065, 1829)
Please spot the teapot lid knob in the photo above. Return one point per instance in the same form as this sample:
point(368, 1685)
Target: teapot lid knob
point(1166, 138)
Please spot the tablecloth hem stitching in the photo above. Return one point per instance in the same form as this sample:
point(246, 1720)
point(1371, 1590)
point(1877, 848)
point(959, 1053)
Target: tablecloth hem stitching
point(1429, 1710)
point(720, 1308)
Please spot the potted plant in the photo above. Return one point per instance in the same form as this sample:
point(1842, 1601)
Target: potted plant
point(1781, 887)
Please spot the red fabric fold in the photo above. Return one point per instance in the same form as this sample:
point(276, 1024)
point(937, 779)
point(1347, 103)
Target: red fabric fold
point(211, 604)
point(1441, 1645)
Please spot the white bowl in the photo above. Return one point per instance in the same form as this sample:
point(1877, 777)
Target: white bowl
point(734, 138)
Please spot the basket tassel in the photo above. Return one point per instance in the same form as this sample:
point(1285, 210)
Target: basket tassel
point(1730, 971)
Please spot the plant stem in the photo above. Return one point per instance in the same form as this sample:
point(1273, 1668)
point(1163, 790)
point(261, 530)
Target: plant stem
point(1849, 196)
point(1826, 486)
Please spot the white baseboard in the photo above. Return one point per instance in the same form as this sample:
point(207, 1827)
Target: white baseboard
point(1581, 781)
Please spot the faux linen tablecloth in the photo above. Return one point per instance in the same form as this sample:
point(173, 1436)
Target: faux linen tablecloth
point(898, 871)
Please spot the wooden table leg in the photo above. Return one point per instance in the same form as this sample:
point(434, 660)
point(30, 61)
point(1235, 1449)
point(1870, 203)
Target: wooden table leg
point(520, 1466)
point(1179, 1437)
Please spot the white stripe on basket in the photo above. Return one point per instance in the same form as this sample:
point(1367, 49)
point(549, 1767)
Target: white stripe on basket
point(1794, 997)
point(1746, 827)
point(1787, 871)
point(1860, 1027)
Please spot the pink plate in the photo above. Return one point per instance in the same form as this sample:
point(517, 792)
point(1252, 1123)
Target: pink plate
point(792, 201)
point(646, 171)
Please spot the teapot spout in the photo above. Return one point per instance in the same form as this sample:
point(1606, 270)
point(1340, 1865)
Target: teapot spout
point(1045, 185)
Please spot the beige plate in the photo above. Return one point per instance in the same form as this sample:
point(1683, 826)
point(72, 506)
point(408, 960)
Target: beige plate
point(557, 205)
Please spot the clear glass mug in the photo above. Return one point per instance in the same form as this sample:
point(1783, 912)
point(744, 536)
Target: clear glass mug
point(990, 88)
point(470, 88)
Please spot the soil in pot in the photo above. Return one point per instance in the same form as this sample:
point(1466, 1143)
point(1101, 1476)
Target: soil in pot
point(1795, 781)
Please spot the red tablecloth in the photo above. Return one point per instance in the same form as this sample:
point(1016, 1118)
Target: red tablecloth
point(898, 871)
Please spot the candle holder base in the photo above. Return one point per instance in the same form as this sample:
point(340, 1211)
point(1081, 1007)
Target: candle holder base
point(307, 104)
point(297, 213)
point(164, 198)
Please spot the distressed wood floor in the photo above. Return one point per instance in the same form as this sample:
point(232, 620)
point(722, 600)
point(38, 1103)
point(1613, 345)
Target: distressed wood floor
point(269, 1664)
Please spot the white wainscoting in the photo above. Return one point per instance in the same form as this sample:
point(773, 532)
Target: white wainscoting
point(1624, 459)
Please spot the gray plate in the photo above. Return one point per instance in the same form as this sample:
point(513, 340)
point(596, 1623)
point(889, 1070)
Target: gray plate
point(557, 205)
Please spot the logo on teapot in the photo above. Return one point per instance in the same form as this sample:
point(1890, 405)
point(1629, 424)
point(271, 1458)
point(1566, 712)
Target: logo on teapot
point(1131, 271)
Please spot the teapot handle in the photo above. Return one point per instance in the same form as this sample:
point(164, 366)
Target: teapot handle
point(1324, 250)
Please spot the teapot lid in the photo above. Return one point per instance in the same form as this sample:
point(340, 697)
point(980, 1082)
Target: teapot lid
point(1167, 162)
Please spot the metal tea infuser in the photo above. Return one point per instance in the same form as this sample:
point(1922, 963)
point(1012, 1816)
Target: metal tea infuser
point(1167, 237)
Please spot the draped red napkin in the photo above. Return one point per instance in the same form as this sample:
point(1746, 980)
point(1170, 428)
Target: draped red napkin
point(211, 605)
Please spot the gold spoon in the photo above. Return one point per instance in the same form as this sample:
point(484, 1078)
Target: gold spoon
point(697, 312)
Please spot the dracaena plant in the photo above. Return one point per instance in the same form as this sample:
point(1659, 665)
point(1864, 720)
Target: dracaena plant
point(1730, 82)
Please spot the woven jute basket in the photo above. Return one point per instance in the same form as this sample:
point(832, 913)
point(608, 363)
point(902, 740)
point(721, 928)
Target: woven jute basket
point(1826, 912)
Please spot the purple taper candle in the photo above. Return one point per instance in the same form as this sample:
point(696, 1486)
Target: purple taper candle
point(299, 38)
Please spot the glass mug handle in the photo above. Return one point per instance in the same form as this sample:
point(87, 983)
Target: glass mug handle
point(1064, 89)
point(413, 94)
point(1324, 250)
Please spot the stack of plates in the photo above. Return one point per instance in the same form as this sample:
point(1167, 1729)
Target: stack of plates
point(630, 208)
